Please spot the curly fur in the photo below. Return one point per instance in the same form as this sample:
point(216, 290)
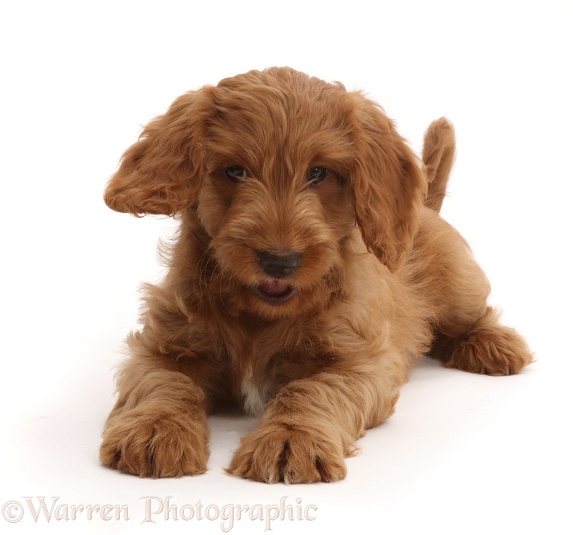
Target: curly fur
point(382, 279)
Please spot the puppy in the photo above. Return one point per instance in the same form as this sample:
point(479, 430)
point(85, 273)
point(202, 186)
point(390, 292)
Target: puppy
point(310, 272)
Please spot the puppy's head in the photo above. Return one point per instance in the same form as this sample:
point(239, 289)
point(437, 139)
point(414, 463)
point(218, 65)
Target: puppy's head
point(279, 168)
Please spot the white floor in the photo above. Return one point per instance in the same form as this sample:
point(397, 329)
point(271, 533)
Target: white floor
point(463, 453)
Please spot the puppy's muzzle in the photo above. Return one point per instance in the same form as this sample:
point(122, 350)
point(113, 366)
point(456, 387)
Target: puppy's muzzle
point(278, 265)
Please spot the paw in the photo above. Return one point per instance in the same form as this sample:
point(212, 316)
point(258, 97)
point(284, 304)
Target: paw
point(153, 443)
point(276, 453)
point(490, 349)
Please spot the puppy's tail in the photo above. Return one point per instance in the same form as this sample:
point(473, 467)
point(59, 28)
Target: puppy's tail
point(438, 157)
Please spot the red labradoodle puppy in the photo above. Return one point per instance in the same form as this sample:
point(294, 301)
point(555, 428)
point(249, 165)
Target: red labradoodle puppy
point(310, 272)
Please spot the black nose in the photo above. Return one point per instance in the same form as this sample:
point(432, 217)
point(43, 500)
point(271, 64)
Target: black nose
point(277, 265)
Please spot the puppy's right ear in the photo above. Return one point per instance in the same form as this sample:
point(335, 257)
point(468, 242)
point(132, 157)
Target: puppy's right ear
point(162, 172)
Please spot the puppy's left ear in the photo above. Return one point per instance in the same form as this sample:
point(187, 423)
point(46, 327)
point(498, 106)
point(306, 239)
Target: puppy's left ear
point(388, 186)
point(162, 172)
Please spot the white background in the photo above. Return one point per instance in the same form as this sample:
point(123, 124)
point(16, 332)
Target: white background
point(463, 453)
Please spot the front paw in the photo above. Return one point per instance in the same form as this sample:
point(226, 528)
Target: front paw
point(273, 453)
point(150, 442)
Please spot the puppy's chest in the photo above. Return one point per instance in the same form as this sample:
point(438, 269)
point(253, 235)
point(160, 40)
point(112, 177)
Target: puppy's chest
point(261, 370)
point(255, 393)
point(257, 378)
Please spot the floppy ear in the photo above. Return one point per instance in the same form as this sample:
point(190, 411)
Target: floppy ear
point(162, 172)
point(388, 186)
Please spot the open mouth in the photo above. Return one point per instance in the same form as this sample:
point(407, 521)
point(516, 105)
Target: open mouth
point(274, 291)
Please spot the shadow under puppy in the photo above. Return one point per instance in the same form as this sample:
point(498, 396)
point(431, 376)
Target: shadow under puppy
point(310, 272)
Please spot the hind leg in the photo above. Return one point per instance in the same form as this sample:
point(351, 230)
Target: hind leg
point(485, 347)
point(468, 335)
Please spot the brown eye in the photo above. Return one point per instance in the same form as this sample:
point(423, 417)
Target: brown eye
point(235, 173)
point(316, 175)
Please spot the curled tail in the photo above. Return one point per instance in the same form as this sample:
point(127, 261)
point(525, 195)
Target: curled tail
point(438, 157)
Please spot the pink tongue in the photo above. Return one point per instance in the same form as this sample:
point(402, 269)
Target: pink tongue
point(275, 288)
